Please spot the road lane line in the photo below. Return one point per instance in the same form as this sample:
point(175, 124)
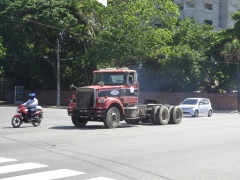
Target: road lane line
point(3, 160)
point(20, 167)
point(61, 173)
point(101, 178)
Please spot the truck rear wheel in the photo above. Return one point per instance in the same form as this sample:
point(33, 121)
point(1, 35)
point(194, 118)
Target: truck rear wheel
point(175, 115)
point(79, 122)
point(154, 114)
point(163, 115)
point(112, 118)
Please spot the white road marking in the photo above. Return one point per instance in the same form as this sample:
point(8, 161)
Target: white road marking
point(3, 160)
point(49, 175)
point(101, 178)
point(20, 167)
point(61, 173)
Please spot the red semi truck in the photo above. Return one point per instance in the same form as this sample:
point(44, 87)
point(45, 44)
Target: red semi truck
point(113, 97)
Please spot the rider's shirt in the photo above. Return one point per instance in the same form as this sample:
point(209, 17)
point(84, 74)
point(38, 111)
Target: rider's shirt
point(33, 103)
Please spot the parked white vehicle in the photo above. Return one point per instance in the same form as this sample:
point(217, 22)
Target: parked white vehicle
point(196, 107)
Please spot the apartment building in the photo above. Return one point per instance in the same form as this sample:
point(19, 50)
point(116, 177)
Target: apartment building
point(212, 12)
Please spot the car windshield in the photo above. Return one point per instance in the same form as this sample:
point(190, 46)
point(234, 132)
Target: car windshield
point(109, 78)
point(190, 101)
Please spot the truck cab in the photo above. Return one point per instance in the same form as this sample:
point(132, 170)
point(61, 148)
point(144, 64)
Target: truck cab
point(114, 89)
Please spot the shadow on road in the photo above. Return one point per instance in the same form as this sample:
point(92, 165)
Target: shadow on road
point(10, 127)
point(90, 127)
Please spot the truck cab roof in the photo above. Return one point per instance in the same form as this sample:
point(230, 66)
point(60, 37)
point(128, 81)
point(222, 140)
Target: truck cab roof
point(113, 70)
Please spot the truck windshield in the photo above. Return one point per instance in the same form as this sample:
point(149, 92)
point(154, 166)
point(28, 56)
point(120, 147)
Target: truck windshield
point(109, 78)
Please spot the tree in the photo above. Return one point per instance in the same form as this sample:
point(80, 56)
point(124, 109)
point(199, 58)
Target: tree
point(2, 49)
point(129, 34)
point(185, 67)
point(231, 53)
point(31, 29)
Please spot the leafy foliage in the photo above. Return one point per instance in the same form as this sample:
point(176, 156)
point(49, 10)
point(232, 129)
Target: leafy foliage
point(31, 28)
point(125, 33)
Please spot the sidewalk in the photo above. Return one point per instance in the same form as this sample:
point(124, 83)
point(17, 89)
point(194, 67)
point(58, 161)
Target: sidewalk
point(225, 111)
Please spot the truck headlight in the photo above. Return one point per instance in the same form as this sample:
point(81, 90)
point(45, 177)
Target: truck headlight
point(101, 100)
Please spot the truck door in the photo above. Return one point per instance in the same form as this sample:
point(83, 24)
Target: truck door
point(131, 88)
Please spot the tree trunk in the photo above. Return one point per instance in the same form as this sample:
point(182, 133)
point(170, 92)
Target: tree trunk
point(86, 65)
point(238, 86)
point(86, 73)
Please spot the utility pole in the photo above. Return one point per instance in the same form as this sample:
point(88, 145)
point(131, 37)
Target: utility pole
point(58, 74)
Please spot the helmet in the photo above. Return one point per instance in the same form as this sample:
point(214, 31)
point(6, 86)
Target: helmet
point(32, 96)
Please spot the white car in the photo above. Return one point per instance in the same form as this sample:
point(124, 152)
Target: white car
point(196, 106)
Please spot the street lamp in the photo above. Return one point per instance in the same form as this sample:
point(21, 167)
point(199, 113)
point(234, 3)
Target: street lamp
point(58, 72)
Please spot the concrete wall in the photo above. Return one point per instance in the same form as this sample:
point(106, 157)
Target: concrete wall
point(220, 101)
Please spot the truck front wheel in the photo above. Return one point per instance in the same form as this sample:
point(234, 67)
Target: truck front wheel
point(79, 122)
point(112, 118)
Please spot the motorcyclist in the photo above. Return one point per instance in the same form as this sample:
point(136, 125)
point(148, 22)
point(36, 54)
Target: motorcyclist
point(32, 104)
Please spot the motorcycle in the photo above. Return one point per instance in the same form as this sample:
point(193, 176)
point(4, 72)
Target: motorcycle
point(23, 116)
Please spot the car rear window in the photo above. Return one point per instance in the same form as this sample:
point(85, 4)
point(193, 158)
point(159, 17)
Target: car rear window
point(190, 101)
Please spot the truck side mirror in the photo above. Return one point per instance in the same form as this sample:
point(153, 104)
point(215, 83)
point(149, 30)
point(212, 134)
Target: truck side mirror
point(73, 87)
point(130, 78)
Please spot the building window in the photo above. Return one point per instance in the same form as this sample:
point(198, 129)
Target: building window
point(209, 22)
point(189, 5)
point(208, 6)
point(180, 8)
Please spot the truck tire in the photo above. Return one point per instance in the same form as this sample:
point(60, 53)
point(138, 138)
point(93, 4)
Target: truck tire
point(132, 121)
point(154, 114)
point(163, 115)
point(175, 115)
point(169, 110)
point(79, 122)
point(112, 118)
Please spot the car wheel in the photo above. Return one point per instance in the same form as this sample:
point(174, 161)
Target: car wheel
point(209, 113)
point(195, 113)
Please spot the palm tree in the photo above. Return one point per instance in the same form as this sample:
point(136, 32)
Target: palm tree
point(231, 52)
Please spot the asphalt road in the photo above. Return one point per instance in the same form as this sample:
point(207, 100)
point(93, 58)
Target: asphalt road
point(197, 149)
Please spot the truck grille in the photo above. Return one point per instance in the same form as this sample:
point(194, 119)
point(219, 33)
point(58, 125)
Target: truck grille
point(85, 98)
